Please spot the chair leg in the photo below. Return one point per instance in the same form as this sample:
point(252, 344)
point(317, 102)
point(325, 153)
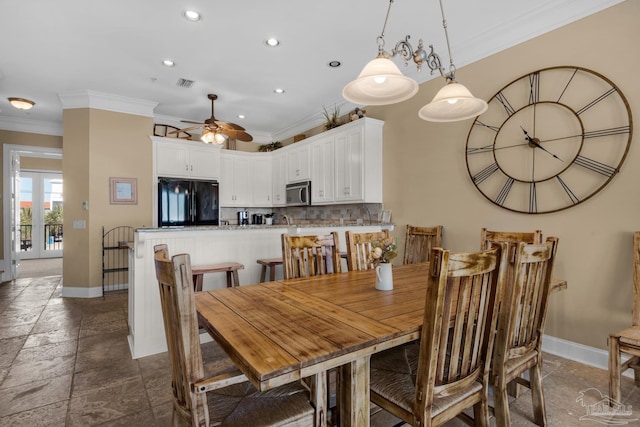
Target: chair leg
point(319, 387)
point(614, 369)
point(501, 403)
point(263, 273)
point(537, 395)
point(481, 413)
point(236, 280)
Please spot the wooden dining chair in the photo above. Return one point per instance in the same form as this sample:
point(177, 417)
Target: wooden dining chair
point(510, 237)
point(304, 256)
point(419, 241)
point(627, 341)
point(359, 249)
point(521, 318)
point(218, 398)
point(433, 380)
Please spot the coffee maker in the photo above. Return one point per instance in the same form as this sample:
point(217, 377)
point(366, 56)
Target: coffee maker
point(243, 217)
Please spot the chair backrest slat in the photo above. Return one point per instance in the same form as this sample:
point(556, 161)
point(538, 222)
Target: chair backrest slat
point(359, 246)
point(419, 241)
point(304, 256)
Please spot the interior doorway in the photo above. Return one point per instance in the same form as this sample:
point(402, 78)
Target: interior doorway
point(12, 159)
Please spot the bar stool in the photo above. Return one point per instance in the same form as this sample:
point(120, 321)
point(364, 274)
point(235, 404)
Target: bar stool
point(231, 268)
point(270, 263)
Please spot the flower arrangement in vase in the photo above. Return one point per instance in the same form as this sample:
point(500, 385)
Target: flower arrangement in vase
point(383, 251)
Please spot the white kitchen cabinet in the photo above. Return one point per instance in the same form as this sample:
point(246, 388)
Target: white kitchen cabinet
point(358, 162)
point(235, 188)
point(261, 179)
point(298, 168)
point(186, 159)
point(322, 171)
point(278, 166)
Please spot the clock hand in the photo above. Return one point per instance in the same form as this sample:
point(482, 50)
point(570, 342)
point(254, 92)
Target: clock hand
point(536, 143)
point(563, 137)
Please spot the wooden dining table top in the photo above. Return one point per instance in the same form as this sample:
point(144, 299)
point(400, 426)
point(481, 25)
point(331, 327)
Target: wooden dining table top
point(278, 332)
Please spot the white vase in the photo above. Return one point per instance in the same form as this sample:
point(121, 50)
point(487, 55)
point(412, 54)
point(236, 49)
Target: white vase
point(384, 277)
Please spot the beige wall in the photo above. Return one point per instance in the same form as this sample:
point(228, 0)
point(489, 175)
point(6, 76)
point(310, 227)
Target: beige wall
point(426, 181)
point(425, 177)
point(29, 139)
point(98, 145)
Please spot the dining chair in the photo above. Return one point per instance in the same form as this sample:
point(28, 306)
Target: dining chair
point(359, 249)
point(304, 256)
point(218, 398)
point(431, 381)
point(627, 341)
point(509, 237)
point(419, 241)
point(521, 319)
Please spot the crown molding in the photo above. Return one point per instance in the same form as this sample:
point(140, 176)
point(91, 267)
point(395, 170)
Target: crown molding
point(18, 124)
point(106, 101)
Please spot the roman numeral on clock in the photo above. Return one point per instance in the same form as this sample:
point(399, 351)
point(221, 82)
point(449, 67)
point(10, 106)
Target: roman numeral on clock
point(595, 166)
point(485, 173)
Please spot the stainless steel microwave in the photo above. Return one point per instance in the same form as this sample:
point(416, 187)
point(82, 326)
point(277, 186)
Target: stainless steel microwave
point(299, 194)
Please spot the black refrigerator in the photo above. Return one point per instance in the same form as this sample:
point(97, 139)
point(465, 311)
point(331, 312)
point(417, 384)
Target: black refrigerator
point(184, 202)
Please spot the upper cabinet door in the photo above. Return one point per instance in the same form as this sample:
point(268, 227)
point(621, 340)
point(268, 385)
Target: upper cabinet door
point(261, 179)
point(278, 167)
point(188, 159)
point(349, 158)
point(298, 164)
point(322, 171)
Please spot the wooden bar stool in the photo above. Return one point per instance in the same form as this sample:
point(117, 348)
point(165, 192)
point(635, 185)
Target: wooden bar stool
point(231, 268)
point(271, 264)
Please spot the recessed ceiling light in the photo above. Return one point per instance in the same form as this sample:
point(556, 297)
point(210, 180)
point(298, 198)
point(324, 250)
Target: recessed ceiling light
point(192, 15)
point(279, 90)
point(335, 64)
point(272, 42)
point(168, 63)
point(21, 103)
point(241, 116)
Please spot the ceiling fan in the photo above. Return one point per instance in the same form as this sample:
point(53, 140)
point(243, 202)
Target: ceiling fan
point(214, 129)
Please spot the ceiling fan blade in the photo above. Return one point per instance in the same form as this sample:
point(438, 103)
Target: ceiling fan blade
point(228, 125)
point(236, 134)
point(191, 121)
point(185, 129)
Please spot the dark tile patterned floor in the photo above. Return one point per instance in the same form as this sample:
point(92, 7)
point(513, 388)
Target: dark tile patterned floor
point(66, 362)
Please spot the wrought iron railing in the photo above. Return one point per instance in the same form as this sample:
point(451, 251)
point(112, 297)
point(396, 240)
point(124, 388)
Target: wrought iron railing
point(52, 237)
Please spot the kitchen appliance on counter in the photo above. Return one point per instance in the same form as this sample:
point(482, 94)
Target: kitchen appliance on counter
point(184, 202)
point(299, 194)
point(257, 219)
point(243, 217)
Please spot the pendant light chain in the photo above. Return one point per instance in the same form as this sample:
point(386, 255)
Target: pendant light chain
point(452, 68)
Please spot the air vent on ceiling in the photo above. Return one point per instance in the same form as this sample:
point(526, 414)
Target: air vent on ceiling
point(185, 83)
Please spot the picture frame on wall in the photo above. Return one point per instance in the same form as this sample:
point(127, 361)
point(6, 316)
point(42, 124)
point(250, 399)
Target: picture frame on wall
point(124, 191)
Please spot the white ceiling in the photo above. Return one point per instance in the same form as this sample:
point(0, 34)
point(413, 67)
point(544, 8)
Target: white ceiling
point(116, 47)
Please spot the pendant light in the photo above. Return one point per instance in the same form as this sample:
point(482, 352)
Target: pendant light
point(382, 83)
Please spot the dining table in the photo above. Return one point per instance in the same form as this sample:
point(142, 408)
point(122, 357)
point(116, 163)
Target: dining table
point(282, 331)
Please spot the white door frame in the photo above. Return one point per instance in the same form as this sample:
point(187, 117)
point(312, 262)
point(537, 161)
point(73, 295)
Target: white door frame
point(8, 152)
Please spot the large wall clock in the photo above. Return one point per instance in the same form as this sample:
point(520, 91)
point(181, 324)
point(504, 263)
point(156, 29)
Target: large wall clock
point(550, 140)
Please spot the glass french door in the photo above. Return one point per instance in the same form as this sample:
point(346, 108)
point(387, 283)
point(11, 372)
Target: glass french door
point(41, 219)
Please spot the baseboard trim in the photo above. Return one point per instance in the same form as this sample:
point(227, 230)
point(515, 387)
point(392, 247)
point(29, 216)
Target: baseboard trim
point(77, 292)
point(591, 356)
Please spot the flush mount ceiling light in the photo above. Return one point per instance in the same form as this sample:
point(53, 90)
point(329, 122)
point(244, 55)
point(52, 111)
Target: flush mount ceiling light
point(21, 103)
point(192, 15)
point(272, 42)
point(168, 63)
point(382, 83)
point(279, 90)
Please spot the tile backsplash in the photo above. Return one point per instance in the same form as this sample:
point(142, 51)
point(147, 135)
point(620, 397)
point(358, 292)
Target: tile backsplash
point(349, 213)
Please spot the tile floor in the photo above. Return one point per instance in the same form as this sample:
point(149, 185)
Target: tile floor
point(66, 362)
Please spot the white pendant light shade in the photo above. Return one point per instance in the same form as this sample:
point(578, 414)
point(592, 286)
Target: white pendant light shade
point(452, 103)
point(380, 83)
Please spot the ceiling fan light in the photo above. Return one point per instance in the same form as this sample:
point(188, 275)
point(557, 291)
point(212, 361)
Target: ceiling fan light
point(380, 83)
point(452, 103)
point(219, 138)
point(21, 103)
point(207, 137)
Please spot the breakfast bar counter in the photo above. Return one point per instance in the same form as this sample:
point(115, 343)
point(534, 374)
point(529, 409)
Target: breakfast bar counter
point(206, 245)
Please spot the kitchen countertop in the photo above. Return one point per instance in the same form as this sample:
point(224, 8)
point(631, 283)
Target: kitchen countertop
point(349, 224)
